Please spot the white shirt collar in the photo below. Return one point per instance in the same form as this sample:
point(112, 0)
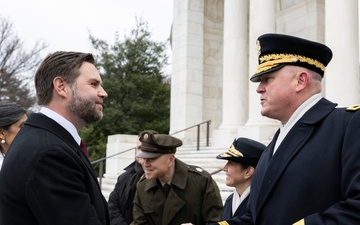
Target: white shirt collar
point(1, 159)
point(237, 200)
point(299, 112)
point(67, 125)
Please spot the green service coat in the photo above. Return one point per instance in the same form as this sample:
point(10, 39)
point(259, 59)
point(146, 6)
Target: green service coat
point(194, 198)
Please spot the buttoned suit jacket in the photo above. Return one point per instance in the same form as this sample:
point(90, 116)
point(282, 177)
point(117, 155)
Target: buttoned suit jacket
point(46, 179)
point(314, 175)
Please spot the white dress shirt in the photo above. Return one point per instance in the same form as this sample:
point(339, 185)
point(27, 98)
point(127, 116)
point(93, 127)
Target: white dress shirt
point(237, 199)
point(285, 128)
point(62, 121)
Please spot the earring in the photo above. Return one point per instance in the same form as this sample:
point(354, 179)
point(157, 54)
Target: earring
point(3, 141)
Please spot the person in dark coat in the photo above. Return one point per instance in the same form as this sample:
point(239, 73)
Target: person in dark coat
point(46, 178)
point(172, 192)
point(310, 172)
point(121, 198)
point(242, 157)
point(12, 118)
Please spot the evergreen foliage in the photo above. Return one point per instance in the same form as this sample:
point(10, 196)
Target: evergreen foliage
point(133, 73)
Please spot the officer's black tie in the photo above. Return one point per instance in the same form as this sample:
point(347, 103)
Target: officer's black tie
point(166, 189)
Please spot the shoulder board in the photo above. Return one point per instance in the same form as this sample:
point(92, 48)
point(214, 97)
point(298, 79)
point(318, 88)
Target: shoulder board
point(353, 107)
point(195, 169)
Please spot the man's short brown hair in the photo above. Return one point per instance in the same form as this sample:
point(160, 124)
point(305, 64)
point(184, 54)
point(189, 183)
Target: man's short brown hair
point(63, 64)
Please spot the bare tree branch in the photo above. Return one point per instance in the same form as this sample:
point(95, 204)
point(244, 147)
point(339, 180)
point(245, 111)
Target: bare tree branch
point(16, 63)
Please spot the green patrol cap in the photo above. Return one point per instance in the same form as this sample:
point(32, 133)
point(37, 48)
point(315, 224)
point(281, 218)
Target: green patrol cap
point(153, 145)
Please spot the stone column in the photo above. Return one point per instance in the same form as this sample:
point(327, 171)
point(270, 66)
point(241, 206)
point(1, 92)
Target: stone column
point(187, 66)
point(342, 36)
point(262, 20)
point(235, 71)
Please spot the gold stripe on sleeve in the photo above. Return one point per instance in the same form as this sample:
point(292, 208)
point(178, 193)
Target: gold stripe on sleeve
point(223, 223)
point(300, 222)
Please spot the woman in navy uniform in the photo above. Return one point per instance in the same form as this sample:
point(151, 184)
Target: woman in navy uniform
point(242, 156)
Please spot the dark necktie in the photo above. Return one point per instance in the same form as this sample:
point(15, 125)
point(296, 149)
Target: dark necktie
point(84, 149)
point(166, 189)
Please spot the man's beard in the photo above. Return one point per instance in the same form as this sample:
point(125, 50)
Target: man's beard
point(84, 108)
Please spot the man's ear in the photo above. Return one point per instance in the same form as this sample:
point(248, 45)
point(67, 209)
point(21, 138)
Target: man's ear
point(172, 159)
point(60, 86)
point(302, 80)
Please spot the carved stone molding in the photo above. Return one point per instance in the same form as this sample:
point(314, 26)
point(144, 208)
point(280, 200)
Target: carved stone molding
point(214, 10)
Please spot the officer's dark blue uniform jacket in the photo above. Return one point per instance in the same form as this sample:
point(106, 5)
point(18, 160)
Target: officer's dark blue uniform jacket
point(314, 176)
point(227, 212)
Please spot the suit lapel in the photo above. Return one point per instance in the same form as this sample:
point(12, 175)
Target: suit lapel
point(279, 161)
point(86, 161)
point(55, 128)
point(257, 188)
point(262, 165)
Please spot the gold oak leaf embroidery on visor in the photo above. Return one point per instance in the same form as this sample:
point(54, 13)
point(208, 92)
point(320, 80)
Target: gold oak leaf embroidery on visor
point(272, 60)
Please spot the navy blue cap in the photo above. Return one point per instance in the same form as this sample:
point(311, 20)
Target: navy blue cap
point(245, 151)
point(277, 50)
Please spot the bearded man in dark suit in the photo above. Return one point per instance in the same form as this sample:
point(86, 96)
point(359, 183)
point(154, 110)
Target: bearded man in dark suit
point(46, 178)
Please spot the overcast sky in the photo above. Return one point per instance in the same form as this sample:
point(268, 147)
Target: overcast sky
point(65, 24)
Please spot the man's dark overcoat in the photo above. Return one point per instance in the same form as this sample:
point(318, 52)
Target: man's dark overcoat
point(314, 176)
point(122, 197)
point(46, 179)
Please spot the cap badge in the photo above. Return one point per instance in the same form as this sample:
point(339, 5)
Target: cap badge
point(258, 47)
point(146, 136)
point(234, 152)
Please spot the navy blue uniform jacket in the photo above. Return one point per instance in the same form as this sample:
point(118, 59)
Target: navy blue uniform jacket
point(314, 176)
point(47, 180)
point(227, 212)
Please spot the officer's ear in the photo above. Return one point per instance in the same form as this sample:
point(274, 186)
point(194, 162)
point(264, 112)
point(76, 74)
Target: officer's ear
point(172, 159)
point(249, 172)
point(302, 79)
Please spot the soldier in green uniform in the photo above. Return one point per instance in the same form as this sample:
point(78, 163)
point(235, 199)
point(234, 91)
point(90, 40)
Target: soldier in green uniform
point(172, 192)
